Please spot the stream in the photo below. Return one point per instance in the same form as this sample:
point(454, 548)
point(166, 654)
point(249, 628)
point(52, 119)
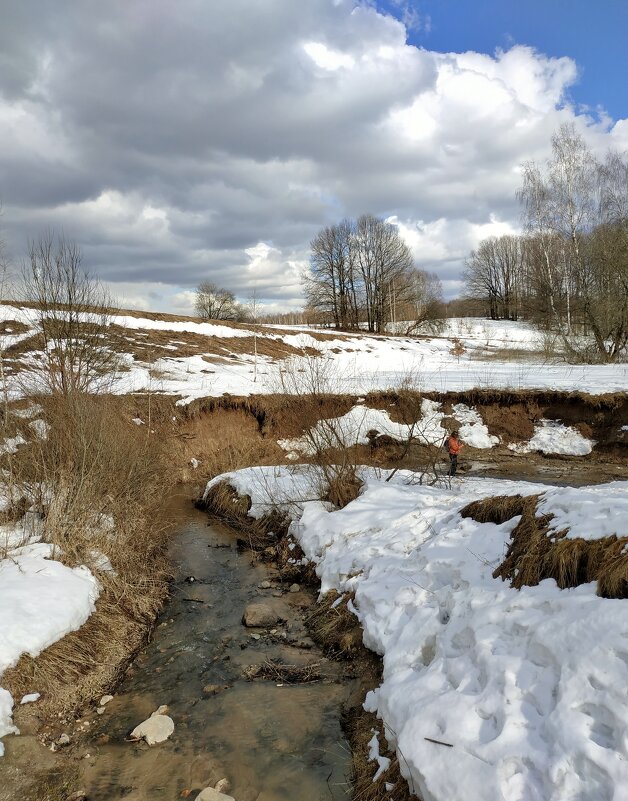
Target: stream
point(273, 741)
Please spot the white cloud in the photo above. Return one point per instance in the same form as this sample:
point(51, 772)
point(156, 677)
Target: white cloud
point(327, 59)
point(175, 149)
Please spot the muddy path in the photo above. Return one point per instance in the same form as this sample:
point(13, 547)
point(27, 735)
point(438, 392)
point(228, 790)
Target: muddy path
point(272, 740)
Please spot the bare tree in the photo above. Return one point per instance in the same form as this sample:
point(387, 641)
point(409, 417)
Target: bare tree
point(494, 272)
point(214, 303)
point(423, 301)
point(73, 313)
point(359, 272)
point(575, 214)
point(331, 283)
point(383, 260)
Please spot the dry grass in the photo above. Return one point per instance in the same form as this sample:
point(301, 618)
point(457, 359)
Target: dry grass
point(359, 726)
point(333, 626)
point(535, 553)
point(98, 482)
point(90, 661)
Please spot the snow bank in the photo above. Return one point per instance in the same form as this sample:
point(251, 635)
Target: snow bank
point(550, 436)
point(588, 512)
point(41, 600)
point(528, 686)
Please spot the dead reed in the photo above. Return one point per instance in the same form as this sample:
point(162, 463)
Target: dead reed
point(536, 552)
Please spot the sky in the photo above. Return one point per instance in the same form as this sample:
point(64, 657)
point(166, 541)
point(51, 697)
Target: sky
point(212, 139)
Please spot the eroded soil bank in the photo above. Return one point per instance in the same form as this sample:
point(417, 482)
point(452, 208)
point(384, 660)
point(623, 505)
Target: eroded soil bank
point(271, 739)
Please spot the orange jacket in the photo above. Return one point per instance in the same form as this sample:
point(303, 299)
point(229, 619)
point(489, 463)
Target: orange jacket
point(454, 445)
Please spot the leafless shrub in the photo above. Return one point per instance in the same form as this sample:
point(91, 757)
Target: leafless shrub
point(307, 383)
point(73, 313)
point(99, 494)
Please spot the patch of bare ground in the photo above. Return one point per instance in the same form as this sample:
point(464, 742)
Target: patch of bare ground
point(147, 345)
point(12, 328)
point(536, 552)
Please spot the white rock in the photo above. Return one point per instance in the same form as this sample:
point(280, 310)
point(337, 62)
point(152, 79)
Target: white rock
point(105, 699)
point(155, 729)
point(209, 794)
point(161, 710)
point(223, 786)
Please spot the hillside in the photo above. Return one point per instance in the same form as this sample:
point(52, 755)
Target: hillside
point(193, 359)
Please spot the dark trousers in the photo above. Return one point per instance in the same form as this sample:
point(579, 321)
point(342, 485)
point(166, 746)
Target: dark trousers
point(453, 459)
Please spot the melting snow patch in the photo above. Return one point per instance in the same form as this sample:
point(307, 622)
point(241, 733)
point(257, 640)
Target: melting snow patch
point(473, 431)
point(41, 428)
point(41, 601)
point(550, 436)
point(29, 411)
point(374, 755)
point(353, 427)
point(11, 444)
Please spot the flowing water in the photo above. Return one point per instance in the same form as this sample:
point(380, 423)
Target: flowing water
point(273, 741)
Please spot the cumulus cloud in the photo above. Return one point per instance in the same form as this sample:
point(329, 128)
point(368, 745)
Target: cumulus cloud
point(191, 140)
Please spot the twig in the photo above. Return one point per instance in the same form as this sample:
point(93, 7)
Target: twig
point(438, 742)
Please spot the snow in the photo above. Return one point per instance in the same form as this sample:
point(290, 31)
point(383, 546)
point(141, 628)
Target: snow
point(28, 412)
point(551, 436)
point(11, 444)
point(472, 430)
point(30, 698)
point(374, 756)
point(41, 428)
point(490, 333)
point(40, 602)
point(359, 362)
point(206, 329)
point(590, 513)
point(527, 686)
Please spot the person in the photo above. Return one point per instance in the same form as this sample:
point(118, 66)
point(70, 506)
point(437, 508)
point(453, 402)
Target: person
point(454, 447)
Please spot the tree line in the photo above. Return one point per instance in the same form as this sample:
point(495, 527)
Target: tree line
point(568, 271)
point(362, 274)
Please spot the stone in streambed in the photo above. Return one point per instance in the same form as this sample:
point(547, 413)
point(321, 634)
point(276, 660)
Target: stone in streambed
point(260, 614)
point(213, 689)
point(209, 794)
point(155, 729)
